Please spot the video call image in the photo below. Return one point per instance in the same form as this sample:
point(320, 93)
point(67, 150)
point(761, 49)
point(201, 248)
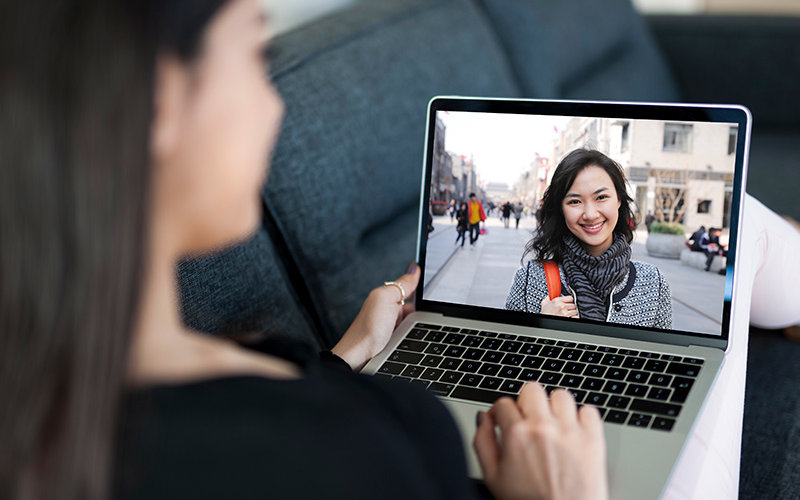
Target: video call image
point(631, 216)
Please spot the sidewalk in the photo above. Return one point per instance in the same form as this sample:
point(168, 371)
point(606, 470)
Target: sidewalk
point(482, 276)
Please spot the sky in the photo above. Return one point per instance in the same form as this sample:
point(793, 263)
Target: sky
point(503, 145)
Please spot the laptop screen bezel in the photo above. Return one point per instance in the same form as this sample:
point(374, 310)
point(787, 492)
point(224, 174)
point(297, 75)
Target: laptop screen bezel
point(732, 114)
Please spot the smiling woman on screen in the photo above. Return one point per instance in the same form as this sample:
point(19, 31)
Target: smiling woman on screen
point(585, 232)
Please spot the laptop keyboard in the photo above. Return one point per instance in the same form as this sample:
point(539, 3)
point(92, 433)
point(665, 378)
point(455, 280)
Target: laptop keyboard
point(636, 388)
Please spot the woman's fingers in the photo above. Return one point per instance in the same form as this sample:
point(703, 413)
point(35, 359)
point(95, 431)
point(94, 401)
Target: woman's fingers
point(532, 401)
point(563, 405)
point(409, 282)
point(486, 447)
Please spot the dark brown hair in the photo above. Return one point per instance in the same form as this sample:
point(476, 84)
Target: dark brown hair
point(551, 229)
point(76, 90)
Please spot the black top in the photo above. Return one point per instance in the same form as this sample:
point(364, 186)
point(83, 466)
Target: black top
point(330, 434)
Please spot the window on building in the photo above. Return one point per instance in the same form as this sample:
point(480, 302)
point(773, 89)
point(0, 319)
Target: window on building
point(732, 140)
point(677, 137)
point(625, 136)
point(703, 206)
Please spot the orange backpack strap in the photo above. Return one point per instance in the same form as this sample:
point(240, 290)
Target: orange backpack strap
point(553, 278)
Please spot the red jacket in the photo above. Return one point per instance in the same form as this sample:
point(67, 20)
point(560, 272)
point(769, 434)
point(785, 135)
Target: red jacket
point(480, 209)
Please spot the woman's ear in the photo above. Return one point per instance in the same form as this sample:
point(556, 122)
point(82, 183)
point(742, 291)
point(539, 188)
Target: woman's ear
point(170, 97)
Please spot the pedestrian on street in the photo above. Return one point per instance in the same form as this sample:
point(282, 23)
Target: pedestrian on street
point(461, 223)
point(585, 229)
point(475, 215)
point(695, 239)
point(506, 214)
point(452, 209)
point(518, 208)
point(712, 246)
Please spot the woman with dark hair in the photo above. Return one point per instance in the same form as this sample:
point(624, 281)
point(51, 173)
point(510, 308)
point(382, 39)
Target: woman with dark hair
point(135, 133)
point(585, 228)
point(461, 223)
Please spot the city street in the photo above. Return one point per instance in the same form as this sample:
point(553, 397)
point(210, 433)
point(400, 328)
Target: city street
point(483, 275)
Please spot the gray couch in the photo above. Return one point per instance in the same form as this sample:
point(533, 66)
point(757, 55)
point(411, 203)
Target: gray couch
point(340, 207)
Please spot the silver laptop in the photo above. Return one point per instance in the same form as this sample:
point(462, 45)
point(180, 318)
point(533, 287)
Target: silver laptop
point(471, 342)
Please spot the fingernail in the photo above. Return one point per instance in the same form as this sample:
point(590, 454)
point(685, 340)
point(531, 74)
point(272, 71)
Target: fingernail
point(411, 268)
point(479, 418)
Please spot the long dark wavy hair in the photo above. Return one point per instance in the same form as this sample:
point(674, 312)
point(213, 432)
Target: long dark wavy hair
point(76, 94)
point(548, 242)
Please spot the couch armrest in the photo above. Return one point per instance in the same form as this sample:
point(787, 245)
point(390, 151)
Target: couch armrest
point(735, 59)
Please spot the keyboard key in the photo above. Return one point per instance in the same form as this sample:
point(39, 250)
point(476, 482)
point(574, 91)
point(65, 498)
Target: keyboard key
point(471, 379)
point(383, 375)
point(399, 378)
point(586, 347)
point(593, 384)
point(571, 354)
point(552, 365)
point(669, 357)
point(472, 341)
point(693, 361)
point(591, 357)
point(475, 394)
point(428, 326)
point(508, 372)
point(469, 366)
point(612, 360)
point(450, 364)
point(441, 389)
point(528, 375)
point(666, 409)
point(571, 381)
point(660, 379)
point(469, 331)
point(507, 336)
point(532, 362)
point(659, 393)
point(487, 334)
point(594, 370)
point(595, 398)
point(565, 343)
point(681, 388)
point(437, 349)
point(639, 420)
point(619, 402)
point(454, 338)
point(412, 345)
point(435, 336)
point(451, 329)
point(473, 354)
point(546, 341)
point(512, 386)
point(573, 368)
point(628, 352)
point(616, 373)
point(451, 377)
point(413, 371)
point(416, 334)
point(390, 368)
point(578, 395)
point(409, 358)
point(649, 355)
point(492, 383)
point(682, 369)
point(512, 359)
point(636, 390)
point(510, 346)
point(655, 365)
point(530, 348)
point(663, 424)
point(614, 387)
point(550, 352)
point(489, 369)
point(635, 363)
point(638, 377)
point(431, 374)
point(492, 344)
point(550, 378)
point(492, 356)
point(431, 361)
point(421, 383)
point(616, 416)
point(604, 348)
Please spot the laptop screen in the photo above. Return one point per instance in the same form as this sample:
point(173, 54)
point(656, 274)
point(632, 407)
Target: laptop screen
point(632, 210)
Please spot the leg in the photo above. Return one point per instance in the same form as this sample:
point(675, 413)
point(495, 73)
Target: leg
point(766, 295)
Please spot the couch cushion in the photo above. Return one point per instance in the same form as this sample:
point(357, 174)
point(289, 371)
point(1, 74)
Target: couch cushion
point(581, 49)
point(346, 172)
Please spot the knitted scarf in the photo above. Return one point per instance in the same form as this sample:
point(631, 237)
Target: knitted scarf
point(593, 278)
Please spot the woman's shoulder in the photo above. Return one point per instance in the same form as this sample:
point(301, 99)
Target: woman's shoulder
point(648, 274)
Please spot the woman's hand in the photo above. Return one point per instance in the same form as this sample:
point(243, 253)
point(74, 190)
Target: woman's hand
point(560, 306)
point(545, 448)
point(376, 321)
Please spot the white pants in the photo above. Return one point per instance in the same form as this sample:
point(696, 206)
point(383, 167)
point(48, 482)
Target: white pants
point(767, 296)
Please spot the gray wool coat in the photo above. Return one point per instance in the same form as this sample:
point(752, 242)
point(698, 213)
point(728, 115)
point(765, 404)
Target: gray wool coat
point(642, 298)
